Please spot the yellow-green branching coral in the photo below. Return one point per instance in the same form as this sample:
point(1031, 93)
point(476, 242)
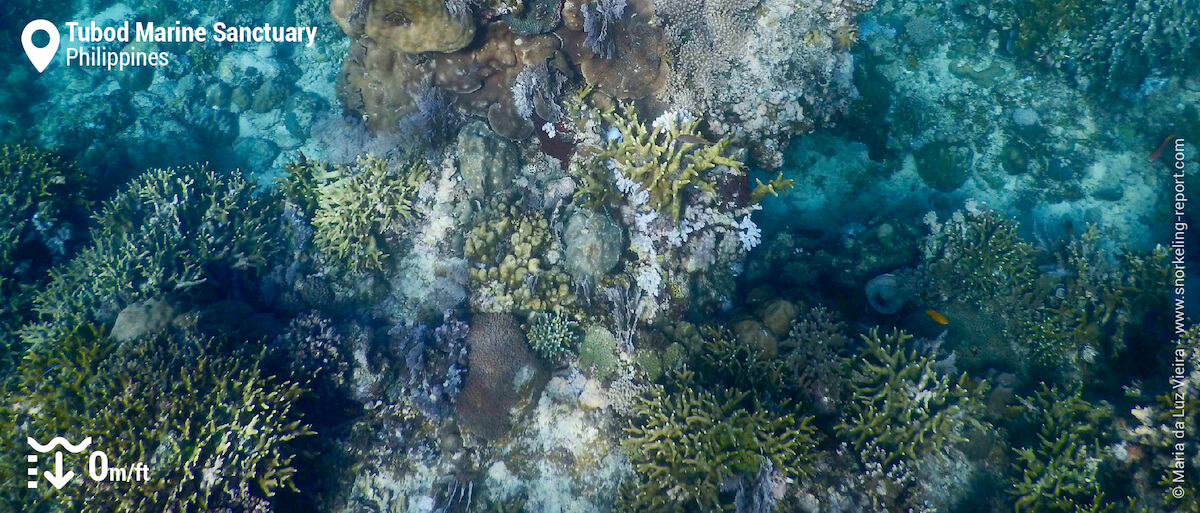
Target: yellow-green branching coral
point(199, 412)
point(684, 445)
point(1058, 472)
point(167, 233)
point(38, 194)
point(302, 181)
point(359, 208)
point(664, 160)
point(773, 187)
point(901, 403)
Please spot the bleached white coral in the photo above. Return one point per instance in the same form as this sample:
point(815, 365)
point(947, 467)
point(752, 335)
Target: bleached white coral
point(749, 233)
point(649, 280)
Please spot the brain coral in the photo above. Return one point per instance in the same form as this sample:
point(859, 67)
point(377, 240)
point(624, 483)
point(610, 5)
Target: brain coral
point(502, 372)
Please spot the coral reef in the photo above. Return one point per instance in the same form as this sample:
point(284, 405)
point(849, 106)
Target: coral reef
point(659, 160)
point(598, 353)
point(764, 70)
point(597, 16)
point(593, 245)
point(382, 83)
point(1109, 44)
point(409, 26)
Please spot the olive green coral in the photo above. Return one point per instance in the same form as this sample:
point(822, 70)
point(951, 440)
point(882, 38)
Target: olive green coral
point(598, 353)
point(198, 411)
point(902, 404)
point(359, 208)
point(684, 445)
point(976, 256)
point(171, 231)
point(665, 160)
point(516, 262)
point(1058, 473)
point(37, 191)
point(1101, 295)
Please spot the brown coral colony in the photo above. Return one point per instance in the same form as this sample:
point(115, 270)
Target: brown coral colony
point(402, 45)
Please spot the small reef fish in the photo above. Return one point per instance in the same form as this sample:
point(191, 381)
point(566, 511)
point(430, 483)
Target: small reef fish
point(1158, 151)
point(692, 139)
point(937, 317)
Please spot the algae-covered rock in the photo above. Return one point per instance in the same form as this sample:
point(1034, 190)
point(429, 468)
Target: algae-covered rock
point(488, 161)
point(538, 17)
point(944, 166)
point(593, 245)
point(777, 316)
point(142, 318)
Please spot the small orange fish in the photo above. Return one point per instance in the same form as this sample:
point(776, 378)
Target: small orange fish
point(937, 317)
point(1158, 151)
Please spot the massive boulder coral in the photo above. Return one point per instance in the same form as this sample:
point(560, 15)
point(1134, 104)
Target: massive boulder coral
point(503, 372)
point(410, 26)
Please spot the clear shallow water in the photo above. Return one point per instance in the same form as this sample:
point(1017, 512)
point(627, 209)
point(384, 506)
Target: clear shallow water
point(600, 256)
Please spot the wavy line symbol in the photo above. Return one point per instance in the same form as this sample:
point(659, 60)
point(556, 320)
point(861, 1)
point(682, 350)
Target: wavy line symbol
point(58, 440)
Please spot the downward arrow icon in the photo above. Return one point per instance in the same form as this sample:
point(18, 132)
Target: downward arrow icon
point(58, 479)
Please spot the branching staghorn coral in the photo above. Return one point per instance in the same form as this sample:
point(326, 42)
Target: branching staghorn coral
point(661, 163)
point(902, 404)
point(37, 193)
point(1111, 43)
point(361, 207)
point(1102, 294)
point(977, 256)
point(213, 430)
point(1059, 472)
point(168, 232)
point(684, 445)
point(551, 335)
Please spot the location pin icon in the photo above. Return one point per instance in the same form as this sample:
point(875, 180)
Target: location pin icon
point(40, 57)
